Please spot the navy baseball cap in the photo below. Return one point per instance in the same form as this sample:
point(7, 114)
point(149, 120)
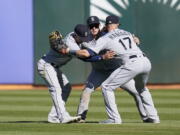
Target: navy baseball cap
point(93, 20)
point(112, 19)
point(83, 32)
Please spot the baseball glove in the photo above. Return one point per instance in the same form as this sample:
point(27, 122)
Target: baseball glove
point(56, 42)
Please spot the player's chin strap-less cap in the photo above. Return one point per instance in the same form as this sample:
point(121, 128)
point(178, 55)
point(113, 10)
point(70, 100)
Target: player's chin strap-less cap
point(93, 20)
point(112, 19)
point(83, 32)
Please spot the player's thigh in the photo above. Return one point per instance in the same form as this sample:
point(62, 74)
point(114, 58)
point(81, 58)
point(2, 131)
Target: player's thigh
point(117, 78)
point(50, 76)
point(40, 67)
point(129, 86)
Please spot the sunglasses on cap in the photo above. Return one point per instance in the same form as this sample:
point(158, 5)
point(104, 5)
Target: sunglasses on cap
point(96, 25)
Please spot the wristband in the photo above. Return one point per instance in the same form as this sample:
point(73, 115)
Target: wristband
point(72, 52)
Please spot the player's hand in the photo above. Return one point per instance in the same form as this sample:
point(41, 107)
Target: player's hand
point(82, 53)
point(136, 39)
point(108, 55)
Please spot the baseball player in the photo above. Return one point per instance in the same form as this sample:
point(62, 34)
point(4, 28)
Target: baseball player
point(100, 72)
point(57, 82)
point(59, 87)
point(135, 65)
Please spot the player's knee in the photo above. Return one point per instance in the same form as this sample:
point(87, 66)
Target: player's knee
point(89, 87)
point(67, 87)
point(135, 94)
point(53, 89)
point(88, 90)
point(140, 88)
point(105, 86)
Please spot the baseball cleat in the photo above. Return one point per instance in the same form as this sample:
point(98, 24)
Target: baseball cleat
point(53, 120)
point(110, 121)
point(150, 120)
point(81, 121)
point(71, 119)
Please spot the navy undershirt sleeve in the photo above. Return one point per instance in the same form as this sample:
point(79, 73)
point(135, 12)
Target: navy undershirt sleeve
point(94, 58)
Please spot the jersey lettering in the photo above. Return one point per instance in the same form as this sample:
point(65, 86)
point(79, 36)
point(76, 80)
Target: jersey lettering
point(125, 46)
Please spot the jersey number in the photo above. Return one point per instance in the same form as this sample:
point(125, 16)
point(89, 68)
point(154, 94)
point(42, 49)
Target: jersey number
point(125, 46)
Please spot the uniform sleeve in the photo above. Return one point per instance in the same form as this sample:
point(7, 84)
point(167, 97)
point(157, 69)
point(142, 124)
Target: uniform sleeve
point(70, 42)
point(94, 58)
point(101, 44)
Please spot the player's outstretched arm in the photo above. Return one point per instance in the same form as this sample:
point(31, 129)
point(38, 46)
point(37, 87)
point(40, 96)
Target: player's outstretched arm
point(88, 53)
point(84, 53)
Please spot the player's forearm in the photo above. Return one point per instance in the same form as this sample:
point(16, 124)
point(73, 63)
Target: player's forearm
point(83, 53)
point(92, 59)
point(79, 53)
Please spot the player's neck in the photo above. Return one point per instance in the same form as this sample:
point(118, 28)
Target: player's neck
point(112, 29)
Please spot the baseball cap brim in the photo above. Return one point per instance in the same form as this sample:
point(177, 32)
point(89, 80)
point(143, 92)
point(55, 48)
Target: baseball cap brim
point(93, 23)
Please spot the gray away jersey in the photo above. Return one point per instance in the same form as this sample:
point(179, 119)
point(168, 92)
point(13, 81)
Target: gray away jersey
point(119, 41)
point(103, 65)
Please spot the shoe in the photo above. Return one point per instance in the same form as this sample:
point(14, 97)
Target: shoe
point(110, 121)
point(71, 119)
point(81, 121)
point(53, 119)
point(150, 120)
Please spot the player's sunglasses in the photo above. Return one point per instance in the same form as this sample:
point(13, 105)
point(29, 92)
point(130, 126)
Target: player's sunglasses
point(96, 25)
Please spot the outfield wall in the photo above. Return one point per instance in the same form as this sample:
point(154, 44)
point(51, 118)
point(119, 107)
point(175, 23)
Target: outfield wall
point(25, 27)
point(60, 15)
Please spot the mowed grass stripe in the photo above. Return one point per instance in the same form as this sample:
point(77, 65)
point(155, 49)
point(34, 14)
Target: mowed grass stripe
point(129, 100)
point(92, 114)
point(74, 99)
point(92, 108)
point(24, 108)
point(24, 98)
point(21, 119)
point(93, 102)
point(78, 92)
point(81, 129)
point(26, 118)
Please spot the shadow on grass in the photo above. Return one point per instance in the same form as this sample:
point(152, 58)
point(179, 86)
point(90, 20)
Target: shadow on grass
point(24, 122)
point(87, 122)
point(96, 122)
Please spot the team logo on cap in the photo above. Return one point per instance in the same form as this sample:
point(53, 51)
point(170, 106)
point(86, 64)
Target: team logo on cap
point(86, 34)
point(92, 19)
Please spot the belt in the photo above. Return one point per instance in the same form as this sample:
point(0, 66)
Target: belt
point(52, 64)
point(135, 56)
point(132, 56)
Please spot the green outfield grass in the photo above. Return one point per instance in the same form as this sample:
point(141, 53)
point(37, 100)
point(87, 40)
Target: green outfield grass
point(25, 113)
